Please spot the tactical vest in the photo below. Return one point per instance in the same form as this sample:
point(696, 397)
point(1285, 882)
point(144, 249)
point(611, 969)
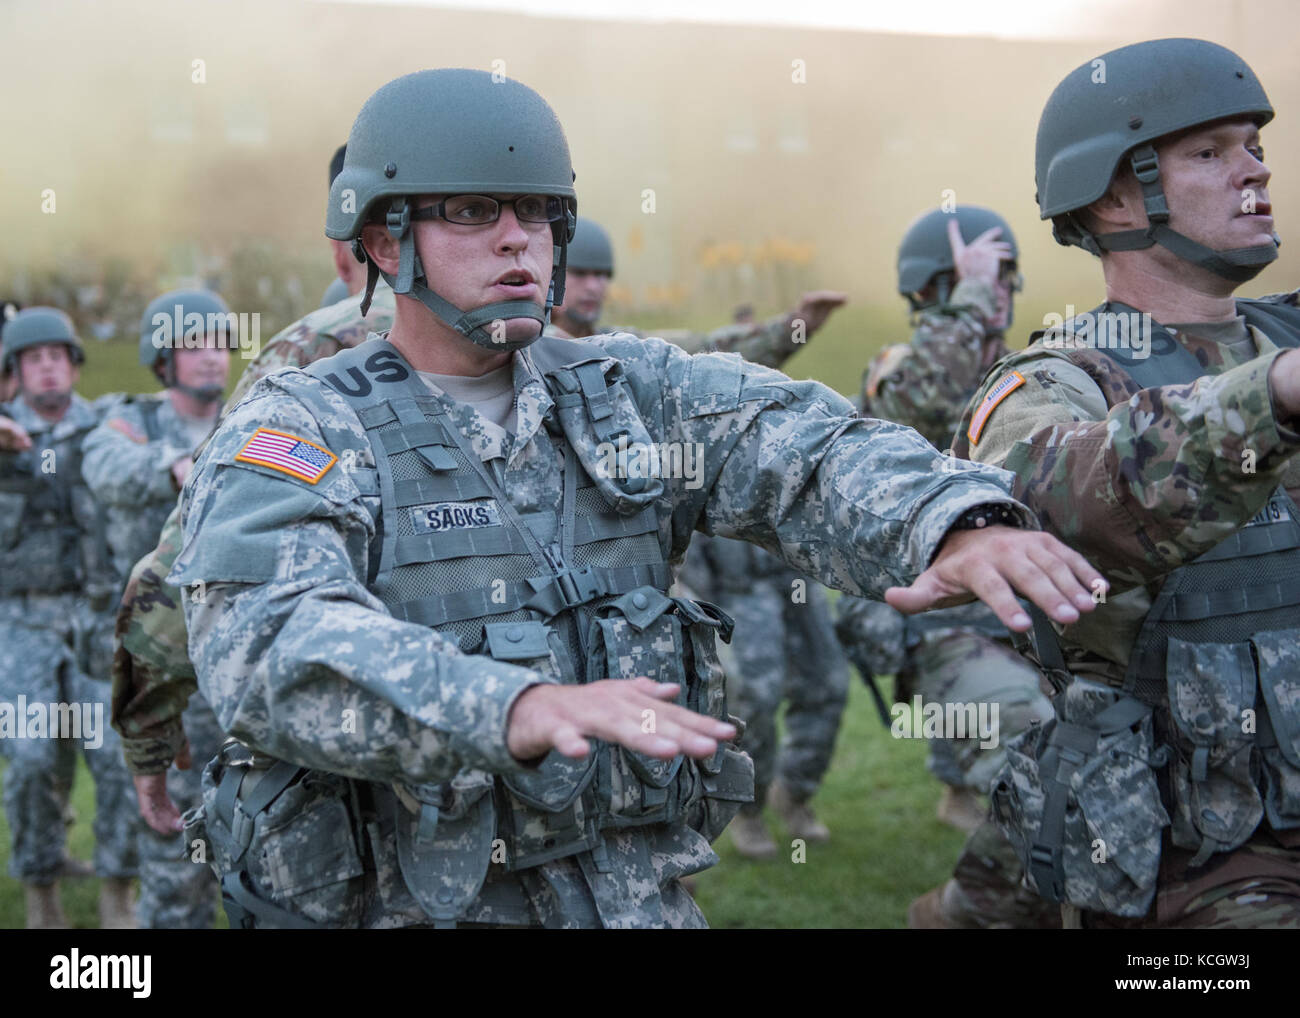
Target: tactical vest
point(1210, 686)
point(59, 545)
point(576, 592)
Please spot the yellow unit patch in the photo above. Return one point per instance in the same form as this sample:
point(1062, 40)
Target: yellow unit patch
point(1004, 388)
point(289, 454)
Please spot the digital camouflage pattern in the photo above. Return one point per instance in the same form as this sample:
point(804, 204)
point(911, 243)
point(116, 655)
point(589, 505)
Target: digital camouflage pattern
point(784, 647)
point(1142, 481)
point(772, 342)
point(152, 675)
point(54, 648)
point(859, 504)
point(130, 473)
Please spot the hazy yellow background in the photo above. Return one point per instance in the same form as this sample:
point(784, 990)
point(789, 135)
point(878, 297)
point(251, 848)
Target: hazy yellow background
point(763, 186)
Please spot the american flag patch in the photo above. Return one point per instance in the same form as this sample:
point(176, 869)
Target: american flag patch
point(288, 454)
point(1004, 388)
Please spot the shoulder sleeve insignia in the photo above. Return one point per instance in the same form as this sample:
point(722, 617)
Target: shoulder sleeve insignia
point(289, 454)
point(117, 424)
point(1004, 387)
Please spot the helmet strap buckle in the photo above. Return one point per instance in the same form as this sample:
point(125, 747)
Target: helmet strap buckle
point(398, 219)
point(1146, 167)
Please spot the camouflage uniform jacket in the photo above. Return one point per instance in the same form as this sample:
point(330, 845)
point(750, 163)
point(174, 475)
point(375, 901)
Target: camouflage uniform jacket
point(127, 462)
point(289, 635)
point(152, 674)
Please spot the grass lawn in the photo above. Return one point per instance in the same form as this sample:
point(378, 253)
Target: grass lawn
point(878, 799)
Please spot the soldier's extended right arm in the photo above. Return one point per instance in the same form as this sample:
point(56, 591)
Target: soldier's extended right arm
point(1147, 485)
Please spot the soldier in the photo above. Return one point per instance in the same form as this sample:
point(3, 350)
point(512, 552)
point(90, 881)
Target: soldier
point(1158, 434)
point(56, 581)
point(418, 561)
point(958, 271)
point(135, 463)
point(350, 276)
point(153, 678)
point(785, 643)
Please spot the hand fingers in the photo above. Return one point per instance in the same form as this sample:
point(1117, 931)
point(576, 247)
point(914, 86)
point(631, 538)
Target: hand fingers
point(569, 741)
point(988, 236)
point(927, 591)
point(1062, 573)
point(995, 592)
point(1035, 584)
point(954, 237)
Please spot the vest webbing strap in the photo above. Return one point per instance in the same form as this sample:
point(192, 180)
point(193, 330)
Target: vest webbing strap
point(549, 595)
point(1192, 606)
point(1070, 746)
point(456, 488)
point(1248, 542)
point(413, 548)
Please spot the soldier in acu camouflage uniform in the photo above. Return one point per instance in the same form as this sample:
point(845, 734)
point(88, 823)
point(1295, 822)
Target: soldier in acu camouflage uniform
point(135, 463)
point(56, 583)
point(1166, 792)
point(153, 678)
point(784, 642)
point(958, 270)
point(418, 565)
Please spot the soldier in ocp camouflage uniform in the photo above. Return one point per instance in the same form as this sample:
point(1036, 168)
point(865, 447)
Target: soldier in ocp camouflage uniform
point(56, 584)
point(784, 643)
point(959, 271)
point(416, 711)
point(135, 463)
point(1166, 792)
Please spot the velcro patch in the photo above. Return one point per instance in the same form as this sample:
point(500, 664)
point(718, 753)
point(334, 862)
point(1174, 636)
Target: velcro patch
point(288, 454)
point(1005, 386)
point(438, 517)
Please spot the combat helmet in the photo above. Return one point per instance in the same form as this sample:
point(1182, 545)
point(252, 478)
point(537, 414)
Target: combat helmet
point(1115, 107)
point(451, 131)
point(591, 250)
point(169, 320)
point(37, 326)
point(925, 252)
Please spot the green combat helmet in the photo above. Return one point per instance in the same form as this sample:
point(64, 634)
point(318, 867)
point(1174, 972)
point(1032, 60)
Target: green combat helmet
point(35, 327)
point(172, 319)
point(925, 252)
point(451, 131)
point(1118, 105)
point(591, 250)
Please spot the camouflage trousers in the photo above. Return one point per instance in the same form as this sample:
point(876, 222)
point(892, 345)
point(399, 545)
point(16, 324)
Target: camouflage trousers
point(784, 646)
point(177, 892)
point(1256, 886)
point(50, 647)
point(970, 668)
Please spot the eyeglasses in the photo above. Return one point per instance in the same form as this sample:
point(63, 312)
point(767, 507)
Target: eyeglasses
point(480, 210)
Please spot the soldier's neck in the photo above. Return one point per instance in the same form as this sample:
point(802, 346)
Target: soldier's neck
point(429, 345)
point(196, 409)
point(1173, 293)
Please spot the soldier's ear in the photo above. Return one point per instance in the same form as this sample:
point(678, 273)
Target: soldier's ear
point(381, 247)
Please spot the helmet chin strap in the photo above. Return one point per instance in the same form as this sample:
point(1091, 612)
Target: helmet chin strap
point(474, 324)
point(1238, 265)
point(202, 393)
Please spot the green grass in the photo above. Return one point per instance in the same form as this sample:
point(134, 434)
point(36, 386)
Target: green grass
point(878, 800)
